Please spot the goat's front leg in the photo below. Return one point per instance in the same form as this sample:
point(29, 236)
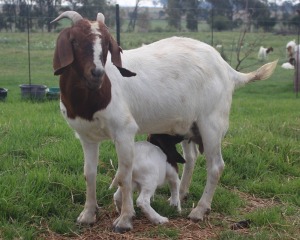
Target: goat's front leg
point(174, 183)
point(143, 202)
point(91, 152)
point(125, 151)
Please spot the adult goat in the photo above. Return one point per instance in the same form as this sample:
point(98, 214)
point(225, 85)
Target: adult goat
point(182, 87)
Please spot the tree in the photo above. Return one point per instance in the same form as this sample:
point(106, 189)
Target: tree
point(133, 17)
point(252, 45)
point(174, 12)
point(90, 8)
point(220, 23)
point(9, 15)
point(260, 12)
point(295, 22)
point(23, 16)
point(192, 15)
point(221, 12)
point(222, 8)
point(143, 21)
point(43, 11)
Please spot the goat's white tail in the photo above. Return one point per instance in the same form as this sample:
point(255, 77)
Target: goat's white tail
point(262, 73)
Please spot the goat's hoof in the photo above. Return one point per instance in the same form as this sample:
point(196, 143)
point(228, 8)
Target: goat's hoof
point(198, 214)
point(161, 220)
point(122, 224)
point(121, 230)
point(183, 196)
point(176, 205)
point(86, 217)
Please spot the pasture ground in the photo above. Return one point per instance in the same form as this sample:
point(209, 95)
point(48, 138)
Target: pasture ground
point(42, 188)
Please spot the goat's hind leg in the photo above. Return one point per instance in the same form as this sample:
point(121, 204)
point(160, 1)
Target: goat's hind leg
point(91, 152)
point(215, 165)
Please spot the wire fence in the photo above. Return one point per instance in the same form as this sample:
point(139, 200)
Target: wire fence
point(28, 47)
point(157, 19)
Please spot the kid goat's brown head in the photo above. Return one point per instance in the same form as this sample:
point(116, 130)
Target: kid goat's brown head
point(84, 47)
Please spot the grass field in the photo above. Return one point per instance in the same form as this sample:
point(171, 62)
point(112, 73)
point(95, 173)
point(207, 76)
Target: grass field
point(42, 188)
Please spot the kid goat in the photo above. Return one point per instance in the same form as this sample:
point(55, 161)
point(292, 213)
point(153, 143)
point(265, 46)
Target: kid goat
point(150, 170)
point(263, 53)
point(182, 87)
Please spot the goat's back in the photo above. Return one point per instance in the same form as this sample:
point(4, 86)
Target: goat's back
point(177, 79)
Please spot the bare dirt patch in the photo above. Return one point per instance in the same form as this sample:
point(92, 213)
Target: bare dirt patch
point(181, 227)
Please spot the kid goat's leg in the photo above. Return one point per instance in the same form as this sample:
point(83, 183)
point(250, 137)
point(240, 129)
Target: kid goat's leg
point(174, 183)
point(91, 152)
point(118, 200)
point(190, 153)
point(143, 202)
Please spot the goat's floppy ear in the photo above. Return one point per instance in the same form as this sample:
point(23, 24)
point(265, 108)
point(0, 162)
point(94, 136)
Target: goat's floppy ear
point(115, 51)
point(63, 55)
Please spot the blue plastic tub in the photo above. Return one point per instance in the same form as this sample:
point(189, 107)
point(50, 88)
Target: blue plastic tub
point(33, 91)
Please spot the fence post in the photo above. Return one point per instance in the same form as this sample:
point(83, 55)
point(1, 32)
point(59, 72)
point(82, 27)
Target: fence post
point(297, 66)
point(296, 80)
point(118, 24)
point(28, 42)
point(212, 27)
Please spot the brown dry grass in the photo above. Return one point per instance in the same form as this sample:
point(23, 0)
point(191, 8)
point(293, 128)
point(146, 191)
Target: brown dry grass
point(185, 229)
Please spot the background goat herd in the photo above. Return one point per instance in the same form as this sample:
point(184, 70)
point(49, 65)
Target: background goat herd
point(147, 100)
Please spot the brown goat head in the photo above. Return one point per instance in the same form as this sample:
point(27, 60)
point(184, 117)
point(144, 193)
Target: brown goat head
point(85, 46)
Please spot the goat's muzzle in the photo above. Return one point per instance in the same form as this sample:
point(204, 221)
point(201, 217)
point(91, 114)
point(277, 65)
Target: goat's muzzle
point(95, 79)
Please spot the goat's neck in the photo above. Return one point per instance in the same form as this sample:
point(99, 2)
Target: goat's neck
point(79, 100)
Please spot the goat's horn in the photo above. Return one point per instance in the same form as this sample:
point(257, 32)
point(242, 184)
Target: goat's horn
point(100, 17)
point(72, 15)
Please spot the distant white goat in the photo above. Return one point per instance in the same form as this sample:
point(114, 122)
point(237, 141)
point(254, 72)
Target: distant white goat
point(291, 48)
point(290, 64)
point(263, 53)
point(150, 170)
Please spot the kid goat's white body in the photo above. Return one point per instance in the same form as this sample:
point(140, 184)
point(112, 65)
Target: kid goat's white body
point(150, 170)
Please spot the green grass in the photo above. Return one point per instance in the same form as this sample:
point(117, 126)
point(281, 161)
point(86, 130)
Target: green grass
point(41, 168)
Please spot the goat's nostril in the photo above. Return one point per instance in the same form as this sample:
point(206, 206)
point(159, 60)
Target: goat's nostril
point(96, 72)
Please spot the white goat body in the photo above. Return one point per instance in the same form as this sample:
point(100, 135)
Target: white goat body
point(150, 170)
point(263, 53)
point(176, 85)
point(291, 49)
point(287, 65)
point(181, 84)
